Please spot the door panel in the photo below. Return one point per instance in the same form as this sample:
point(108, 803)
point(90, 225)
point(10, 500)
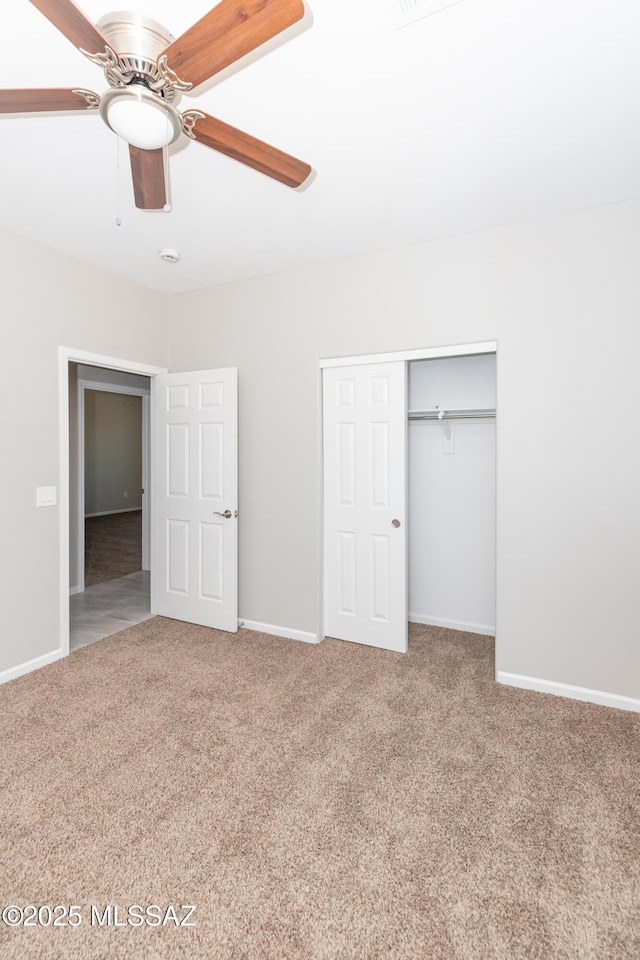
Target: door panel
point(365, 430)
point(195, 570)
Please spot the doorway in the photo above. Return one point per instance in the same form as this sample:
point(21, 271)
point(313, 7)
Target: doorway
point(114, 373)
point(109, 458)
point(451, 481)
point(400, 543)
point(191, 491)
point(109, 521)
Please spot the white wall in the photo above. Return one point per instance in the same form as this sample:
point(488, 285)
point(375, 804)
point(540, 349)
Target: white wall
point(50, 299)
point(452, 489)
point(561, 296)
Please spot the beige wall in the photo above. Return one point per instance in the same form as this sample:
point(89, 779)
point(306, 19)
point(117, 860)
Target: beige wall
point(48, 300)
point(561, 296)
point(112, 451)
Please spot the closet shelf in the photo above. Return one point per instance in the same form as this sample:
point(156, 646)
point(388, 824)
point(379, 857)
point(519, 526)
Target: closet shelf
point(462, 413)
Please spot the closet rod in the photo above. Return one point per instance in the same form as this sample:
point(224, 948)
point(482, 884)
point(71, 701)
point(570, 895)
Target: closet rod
point(461, 414)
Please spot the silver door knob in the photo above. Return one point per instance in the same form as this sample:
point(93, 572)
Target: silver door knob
point(395, 523)
point(226, 514)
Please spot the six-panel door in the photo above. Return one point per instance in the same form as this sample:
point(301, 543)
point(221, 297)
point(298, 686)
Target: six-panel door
point(195, 569)
point(364, 427)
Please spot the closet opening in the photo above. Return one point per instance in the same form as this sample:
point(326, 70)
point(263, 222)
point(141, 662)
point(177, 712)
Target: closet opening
point(409, 493)
point(451, 516)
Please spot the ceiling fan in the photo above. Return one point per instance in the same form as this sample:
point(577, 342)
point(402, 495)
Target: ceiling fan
point(147, 70)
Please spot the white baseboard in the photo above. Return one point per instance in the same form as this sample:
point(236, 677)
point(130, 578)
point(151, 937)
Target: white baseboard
point(108, 513)
point(615, 700)
point(483, 628)
point(279, 631)
point(74, 590)
point(30, 665)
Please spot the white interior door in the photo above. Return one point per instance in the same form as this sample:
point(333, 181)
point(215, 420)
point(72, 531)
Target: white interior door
point(365, 555)
point(194, 574)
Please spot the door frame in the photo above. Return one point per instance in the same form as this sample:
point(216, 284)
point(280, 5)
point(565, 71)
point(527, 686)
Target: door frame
point(67, 355)
point(425, 353)
point(83, 386)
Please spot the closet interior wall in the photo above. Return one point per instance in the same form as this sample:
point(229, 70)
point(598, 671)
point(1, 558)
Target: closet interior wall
point(452, 496)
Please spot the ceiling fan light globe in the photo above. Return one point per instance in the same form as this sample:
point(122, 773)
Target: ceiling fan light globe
point(140, 118)
point(139, 124)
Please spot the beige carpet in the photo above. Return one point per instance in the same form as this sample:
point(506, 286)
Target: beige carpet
point(112, 546)
point(327, 801)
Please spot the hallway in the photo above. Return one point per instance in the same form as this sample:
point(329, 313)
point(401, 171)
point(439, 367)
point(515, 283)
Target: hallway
point(107, 608)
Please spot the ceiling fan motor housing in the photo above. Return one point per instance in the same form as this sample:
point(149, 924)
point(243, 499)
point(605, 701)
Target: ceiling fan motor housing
point(134, 35)
point(138, 41)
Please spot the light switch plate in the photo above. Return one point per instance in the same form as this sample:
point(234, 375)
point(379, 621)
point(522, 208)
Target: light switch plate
point(45, 496)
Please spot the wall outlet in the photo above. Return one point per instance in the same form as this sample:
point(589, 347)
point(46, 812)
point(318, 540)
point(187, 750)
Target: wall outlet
point(126, 493)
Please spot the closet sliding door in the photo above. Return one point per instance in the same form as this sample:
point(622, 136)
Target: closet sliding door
point(365, 553)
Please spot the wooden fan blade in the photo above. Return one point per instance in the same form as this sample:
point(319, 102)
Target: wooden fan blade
point(42, 101)
point(255, 153)
point(147, 169)
point(71, 22)
point(229, 31)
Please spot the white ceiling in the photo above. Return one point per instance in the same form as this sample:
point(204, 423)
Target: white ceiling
point(486, 113)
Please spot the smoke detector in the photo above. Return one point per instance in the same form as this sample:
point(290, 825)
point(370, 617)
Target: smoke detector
point(408, 11)
point(168, 255)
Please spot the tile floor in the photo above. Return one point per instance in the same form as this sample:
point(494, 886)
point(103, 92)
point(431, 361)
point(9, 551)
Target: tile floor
point(107, 608)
